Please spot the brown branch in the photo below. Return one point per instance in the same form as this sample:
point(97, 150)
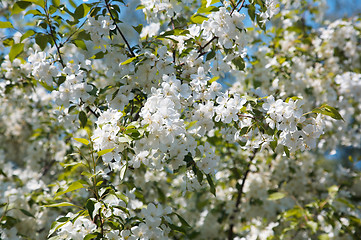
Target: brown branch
point(47, 167)
point(239, 9)
point(53, 35)
point(174, 51)
point(91, 110)
point(200, 50)
point(239, 194)
point(117, 27)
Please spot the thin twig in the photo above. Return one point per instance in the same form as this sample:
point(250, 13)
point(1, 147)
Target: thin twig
point(239, 9)
point(200, 50)
point(91, 110)
point(174, 51)
point(240, 192)
point(53, 35)
point(116, 26)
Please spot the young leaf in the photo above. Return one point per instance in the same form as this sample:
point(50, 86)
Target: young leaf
point(122, 171)
point(211, 184)
point(27, 34)
point(82, 140)
point(19, 6)
point(55, 226)
point(198, 18)
point(287, 151)
point(128, 61)
point(6, 25)
point(62, 204)
point(329, 111)
point(83, 119)
point(90, 207)
point(74, 186)
point(42, 40)
point(27, 213)
point(105, 151)
point(181, 219)
point(15, 51)
point(276, 196)
point(81, 11)
point(138, 28)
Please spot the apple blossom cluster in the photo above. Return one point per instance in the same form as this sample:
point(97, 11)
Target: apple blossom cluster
point(151, 226)
point(342, 36)
point(99, 30)
point(272, 9)
point(288, 117)
point(73, 91)
point(43, 68)
point(228, 28)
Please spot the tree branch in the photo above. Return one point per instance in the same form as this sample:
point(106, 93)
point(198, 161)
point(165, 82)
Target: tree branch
point(200, 50)
point(239, 9)
point(239, 194)
point(53, 35)
point(117, 27)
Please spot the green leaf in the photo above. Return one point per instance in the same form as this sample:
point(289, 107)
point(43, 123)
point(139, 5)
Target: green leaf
point(82, 140)
point(90, 207)
point(6, 25)
point(8, 42)
point(252, 12)
point(74, 186)
point(176, 228)
point(293, 212)
point(129, 60)
point(34, 12)
point(207, 10)
point(62, 204)
point(239, 62)
point(122, 171)
point(73, 165)
point(42, 40)
point(105, 151)
point(276, 196)
point(287, 151)
point(27, 213)
point(125, 138)
point(210, 55)
point(90, 236)
point(81, 11)
point(55, 226)
point(204, 2)
point(211, 184)
point(19, 6)
point(40, 3)
point(323, 237)
point(138, 28)
point(312, 225)
point(139, 7)
point(9, 221)
point(56, 2)
point(52, 9)
point(83, 119)
point(183, 222)
point(329, 111)
point(80, 44)
point(197, 18)
point(213, 79)
point(199, 176)
point(27, 34)
point(293, 98)
point(15, 51)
